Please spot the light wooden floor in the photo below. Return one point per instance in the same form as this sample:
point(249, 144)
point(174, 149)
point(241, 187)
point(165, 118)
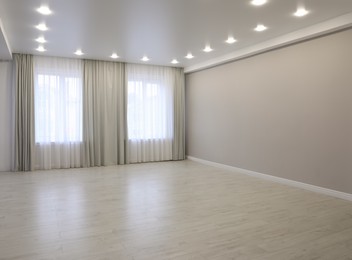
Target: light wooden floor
point(177, 210)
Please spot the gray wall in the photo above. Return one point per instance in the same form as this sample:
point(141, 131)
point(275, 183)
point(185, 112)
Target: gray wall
point(286, 113)
point(6, 129)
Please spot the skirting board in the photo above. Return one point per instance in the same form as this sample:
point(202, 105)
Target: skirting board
point(301, 185)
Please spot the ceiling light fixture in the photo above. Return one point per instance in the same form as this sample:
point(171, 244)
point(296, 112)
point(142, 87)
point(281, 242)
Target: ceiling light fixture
point(231, 40)
point(301, 12)
point(40, 48)
point(260, 28)
point(258, 2)
point(44, 10)
point(79, 52)
point(207, 49)
point(145, 58)
point(174, 61)
point(42, 27)
point(114, 56)
point(189, 56)
point(41, 39)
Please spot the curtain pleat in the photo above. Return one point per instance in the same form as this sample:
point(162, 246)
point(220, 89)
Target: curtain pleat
point(104, 119)
point(178, 144)
point(24, 112)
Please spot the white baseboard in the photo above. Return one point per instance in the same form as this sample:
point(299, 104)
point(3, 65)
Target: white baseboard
point(301, 185)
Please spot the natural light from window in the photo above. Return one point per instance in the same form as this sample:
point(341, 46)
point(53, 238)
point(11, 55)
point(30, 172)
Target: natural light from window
point(58, 108)
point(147, 111)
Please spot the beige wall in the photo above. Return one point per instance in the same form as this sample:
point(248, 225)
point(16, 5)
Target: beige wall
point(286, 113)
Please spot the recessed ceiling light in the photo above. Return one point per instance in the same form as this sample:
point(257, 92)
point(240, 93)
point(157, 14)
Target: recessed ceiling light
point(260, 28)
point(79, 52)
point(42, 27)
point(258, 2)
point(231, 40)
point(207, 49)
point(301, 12)
point(44, 10)
point(114, 56)
point(40, 48)
point(174, 61)
point(145, 58)
point(41, 40)
point(189, 56)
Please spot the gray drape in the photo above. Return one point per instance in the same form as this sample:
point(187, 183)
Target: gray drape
point(24, 112)
point(104, 113)
point(178, 146)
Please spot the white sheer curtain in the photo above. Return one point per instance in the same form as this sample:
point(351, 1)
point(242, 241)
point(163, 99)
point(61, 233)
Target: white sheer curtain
point(58, 112)
point(150, 116)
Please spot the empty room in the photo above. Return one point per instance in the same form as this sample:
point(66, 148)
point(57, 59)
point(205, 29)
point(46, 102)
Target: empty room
point(175, 129)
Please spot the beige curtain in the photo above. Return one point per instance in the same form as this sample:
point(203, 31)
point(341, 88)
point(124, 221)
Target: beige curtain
point(24, 112)
point(178, 145)
point(104, 116)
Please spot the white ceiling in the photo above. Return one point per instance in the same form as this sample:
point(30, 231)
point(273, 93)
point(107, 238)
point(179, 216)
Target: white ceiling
point(161, 29)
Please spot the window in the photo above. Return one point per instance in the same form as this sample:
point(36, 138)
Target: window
point(58, 105)
point(148, 111)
